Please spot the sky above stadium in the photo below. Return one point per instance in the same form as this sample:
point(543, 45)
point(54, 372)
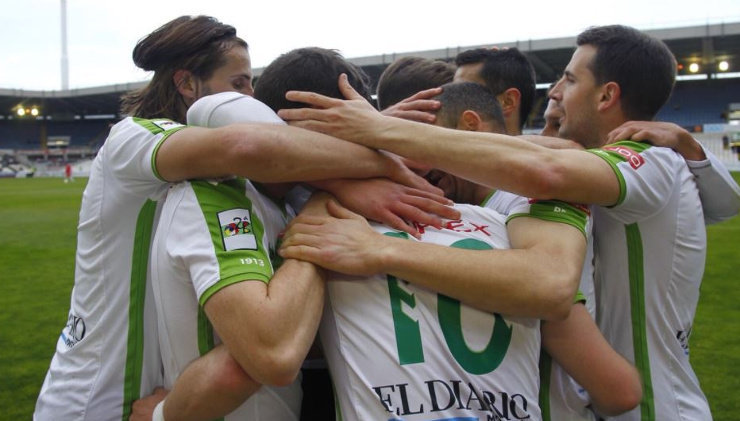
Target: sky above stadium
point(101, 34)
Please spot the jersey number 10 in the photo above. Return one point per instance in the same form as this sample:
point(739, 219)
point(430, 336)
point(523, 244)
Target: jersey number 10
point(408, 334)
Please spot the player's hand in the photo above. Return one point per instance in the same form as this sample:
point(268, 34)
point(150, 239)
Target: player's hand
point(343, 242)
point(659, 133)
point(142, 409)
point(418, 107)
point(353, 119)
point(390, 203)
point(409, 173)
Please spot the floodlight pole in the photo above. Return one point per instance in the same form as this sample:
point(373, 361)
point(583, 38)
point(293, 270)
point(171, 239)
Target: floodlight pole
point(65, 63)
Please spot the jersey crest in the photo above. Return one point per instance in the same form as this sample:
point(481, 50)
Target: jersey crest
point(236, 230)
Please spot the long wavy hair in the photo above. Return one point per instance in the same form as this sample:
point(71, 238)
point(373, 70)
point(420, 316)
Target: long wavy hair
point(198, 44)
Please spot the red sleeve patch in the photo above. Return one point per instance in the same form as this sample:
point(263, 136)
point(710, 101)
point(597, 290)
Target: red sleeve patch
point(634, 158)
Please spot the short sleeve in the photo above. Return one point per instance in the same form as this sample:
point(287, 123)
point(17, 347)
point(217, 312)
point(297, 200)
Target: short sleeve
point(132, 146)
point(219, 237)
point(647, 178)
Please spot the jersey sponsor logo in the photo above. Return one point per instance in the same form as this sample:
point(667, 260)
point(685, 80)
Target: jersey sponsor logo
point(436, 397)
point(166, 124)
point(457, 226)
point(236, 230)
point(683, 339)
point(635, 159)
point(74, 331)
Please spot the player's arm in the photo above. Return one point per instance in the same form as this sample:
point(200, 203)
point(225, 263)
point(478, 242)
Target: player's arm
point(719, 193)
point(269, 328)
point(538, 279)
point(213, 382)
point(490, 159)
point(579, 347)
point(272, 153)
point(210, 387)
point(551, 142)
point(276, 153)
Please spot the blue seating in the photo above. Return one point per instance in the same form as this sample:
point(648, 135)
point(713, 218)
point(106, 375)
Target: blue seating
point(26, 134)
point(700, 102)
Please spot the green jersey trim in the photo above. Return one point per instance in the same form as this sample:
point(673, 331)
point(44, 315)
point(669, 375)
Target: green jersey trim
point(556, 211)
point(137, 295)
point(487, 198)
point(234, 279)
point(205, 333)
point(240, 264)
point(545, 372)
point(635, 259)
point(580, 297)
point(205, 336)
point(337, 407)
point(613, 158)
point(638, 147)
point(155, 128)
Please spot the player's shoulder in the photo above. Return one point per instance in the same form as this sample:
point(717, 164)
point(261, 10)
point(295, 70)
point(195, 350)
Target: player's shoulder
point(226, 108)
point(154, 125)
point(133, 128)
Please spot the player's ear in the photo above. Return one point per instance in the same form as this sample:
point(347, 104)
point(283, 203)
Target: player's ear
point(469, 120)
point(610, 96)
point(510, 100)
point(185, 84)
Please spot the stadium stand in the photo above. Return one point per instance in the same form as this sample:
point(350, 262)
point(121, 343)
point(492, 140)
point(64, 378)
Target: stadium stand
point(23, 134)
point(697, 103)
point(19, 135)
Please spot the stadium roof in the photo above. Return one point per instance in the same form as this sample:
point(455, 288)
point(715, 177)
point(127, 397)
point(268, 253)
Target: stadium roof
point(705, 45)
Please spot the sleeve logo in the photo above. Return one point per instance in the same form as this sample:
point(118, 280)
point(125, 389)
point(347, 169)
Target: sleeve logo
point(166, 124)
point(236, 230)
point(635, 159)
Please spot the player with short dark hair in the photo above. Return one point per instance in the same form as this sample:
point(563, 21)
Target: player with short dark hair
point(508, 74)
point(407, 76)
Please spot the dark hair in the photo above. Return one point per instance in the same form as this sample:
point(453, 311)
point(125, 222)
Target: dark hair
point(460, 96)
point(504, 69)
point(198, 44)
point(642, 66)
point(311, 69)
point(409, 75)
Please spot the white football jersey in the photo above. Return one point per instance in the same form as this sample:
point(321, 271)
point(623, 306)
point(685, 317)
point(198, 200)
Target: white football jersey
point(650, 252)
point(399, 351)
point(107, 355)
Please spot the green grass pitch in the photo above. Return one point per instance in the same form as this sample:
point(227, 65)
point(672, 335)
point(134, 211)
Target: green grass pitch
point(38, 219)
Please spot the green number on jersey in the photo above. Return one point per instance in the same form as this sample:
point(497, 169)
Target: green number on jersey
point(408, 334)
